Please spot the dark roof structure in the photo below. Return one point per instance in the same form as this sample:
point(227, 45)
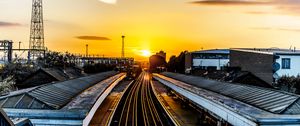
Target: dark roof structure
point(213, 51)
point(270, 51)
point(51, 96)
point(56, 73)
point(274, 101)
point(48, 75)
point(73, 72)
point(4, 119)
point(232, 76)
point(244, 77)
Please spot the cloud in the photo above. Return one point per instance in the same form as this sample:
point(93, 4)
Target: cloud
point(287, 1)
point(289, 29)
point(92, 38)
point(278, 29)
point(228, 2)
point(8, 24)
point(293, 9)
point(256, 12)
point(261, 28)
point(109, 1)
point(286, 7)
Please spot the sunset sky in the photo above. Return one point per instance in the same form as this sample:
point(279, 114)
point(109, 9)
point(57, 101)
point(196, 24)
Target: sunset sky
point(169, 25)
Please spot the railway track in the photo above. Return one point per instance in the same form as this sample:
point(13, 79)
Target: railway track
point(140, 107)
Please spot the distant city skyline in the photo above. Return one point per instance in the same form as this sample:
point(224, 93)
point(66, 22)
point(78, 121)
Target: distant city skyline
point(154, 25)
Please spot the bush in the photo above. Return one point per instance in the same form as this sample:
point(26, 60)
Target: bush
point(289, 83)
point(7, 85)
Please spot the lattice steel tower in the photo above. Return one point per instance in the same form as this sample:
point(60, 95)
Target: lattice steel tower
point(36, 42)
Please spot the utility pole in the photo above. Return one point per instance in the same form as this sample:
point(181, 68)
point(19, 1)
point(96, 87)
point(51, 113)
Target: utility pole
point(87, 50)
point(123, 47)
point(36, 41)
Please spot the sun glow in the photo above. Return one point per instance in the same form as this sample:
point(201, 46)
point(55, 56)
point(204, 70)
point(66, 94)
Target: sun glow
point(145, 53)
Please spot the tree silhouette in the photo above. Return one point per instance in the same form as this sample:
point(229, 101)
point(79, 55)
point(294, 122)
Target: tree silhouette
point(177, 64)
point(156, 62)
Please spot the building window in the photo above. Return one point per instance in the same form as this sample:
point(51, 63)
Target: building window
point(286, 63)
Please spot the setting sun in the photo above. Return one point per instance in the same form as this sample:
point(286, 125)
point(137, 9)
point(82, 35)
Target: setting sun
point(145, 53)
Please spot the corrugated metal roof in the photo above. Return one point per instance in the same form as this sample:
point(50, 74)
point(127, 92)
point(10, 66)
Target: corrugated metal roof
point(293, 108)
point(52, 96)
point(274, 101)
point(23, 101)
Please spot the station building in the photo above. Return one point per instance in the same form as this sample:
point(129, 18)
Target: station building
point(215, 59)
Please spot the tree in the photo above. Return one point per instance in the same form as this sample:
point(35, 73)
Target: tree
point(7, 85)
point(297, 84)
point(289, 84)
point(57, 59)
point(180, 63)
point(171, 64)
point(156, 61)
point(97, 68)
point(177, 64)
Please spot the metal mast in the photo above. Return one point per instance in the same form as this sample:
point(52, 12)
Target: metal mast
point(123, 48)
point(36, 42)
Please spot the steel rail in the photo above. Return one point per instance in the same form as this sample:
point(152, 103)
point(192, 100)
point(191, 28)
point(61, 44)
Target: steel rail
point(155, 110)
point(139, 106)
point(126, 102)
point(116, 104)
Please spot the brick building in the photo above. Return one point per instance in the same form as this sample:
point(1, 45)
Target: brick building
point(267, 64)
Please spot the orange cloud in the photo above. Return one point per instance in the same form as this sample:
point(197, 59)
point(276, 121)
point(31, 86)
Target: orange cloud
point(92, 38)
point(228, 2)
point(8, 24)
point(278, 28)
